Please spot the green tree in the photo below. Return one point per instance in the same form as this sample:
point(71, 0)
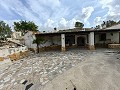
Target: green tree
point(118, 22)
point(109, 23)
point(25, 26)
point(39, 40)
point(79, 25)
point(5, 30)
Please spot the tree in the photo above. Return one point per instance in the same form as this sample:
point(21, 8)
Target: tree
point(25, 26)
point(5, 30)
point(79, 25)
point(55, 28)
point(118, 22)
point(38, 41)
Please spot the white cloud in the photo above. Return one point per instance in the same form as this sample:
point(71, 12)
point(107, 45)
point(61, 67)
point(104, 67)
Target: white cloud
point(113, 12)
point(113, 9)
point(11, 22)
point(49, 24)
point(18, 7)
point(54, 13)
point(86, 12)
point(63, 22)
point(46, 13)
point(105, 2)
point(98, 20)
point(60, 25)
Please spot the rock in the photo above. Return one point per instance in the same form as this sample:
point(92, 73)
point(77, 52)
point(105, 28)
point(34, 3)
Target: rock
point(15, 83)
point(1, 86)
point(22, 81)
point(12, 80)
point(6, 79)
point(45, 82)
point(41, 79)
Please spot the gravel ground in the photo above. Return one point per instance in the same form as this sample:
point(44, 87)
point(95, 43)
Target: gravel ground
point(36, 71)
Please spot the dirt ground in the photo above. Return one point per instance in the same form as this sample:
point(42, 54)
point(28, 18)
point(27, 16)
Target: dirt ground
point(71, 70)
point(99, 71)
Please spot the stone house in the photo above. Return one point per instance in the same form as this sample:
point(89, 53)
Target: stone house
point(75, 38)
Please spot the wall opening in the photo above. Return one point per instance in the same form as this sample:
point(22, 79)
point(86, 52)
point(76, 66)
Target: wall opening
point(80, 41)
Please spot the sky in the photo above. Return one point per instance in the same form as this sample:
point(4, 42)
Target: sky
point(62, 14)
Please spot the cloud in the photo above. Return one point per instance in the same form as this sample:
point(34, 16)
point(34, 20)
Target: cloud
point(10, 23)
point(86, 13)
point(44, 13)
point(113, 12)
point(62, 24)
point(98, 20)
point(62, 14)
point(20, 9)
point(113, 7)
point(105, 2)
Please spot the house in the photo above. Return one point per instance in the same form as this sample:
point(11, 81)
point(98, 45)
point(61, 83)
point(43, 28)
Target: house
point(87, 38)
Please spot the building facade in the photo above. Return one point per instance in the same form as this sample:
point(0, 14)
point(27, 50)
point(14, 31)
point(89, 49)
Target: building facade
point(74, 38)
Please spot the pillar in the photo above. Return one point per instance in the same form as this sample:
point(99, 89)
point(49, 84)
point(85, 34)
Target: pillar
point(63, 42)
point(91, 45)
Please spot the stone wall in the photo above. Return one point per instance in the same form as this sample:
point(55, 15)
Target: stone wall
point(114, 46)
point(1, 58)
point(13, 53)
point(17, 56)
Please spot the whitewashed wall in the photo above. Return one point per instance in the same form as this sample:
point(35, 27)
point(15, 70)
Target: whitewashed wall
point(113, 38)
point(97, 39)
point(57, 40)
point(28, 40)
point(9, 51)
point(50, 40)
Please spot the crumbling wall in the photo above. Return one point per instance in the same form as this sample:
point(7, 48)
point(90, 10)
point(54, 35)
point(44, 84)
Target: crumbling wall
point(13, 53)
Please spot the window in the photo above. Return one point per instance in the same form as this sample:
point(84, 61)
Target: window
point(102, 37)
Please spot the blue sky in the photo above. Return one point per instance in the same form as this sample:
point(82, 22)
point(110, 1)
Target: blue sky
point(62, 14)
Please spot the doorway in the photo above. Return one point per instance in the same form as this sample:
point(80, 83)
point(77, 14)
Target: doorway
point(81, 41)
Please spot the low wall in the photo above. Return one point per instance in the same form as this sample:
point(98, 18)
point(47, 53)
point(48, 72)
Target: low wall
point(48, 48)
point(114, 46)
point(17, 56)
point(13, 53)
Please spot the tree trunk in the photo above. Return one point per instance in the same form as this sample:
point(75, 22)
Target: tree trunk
point(37, 48)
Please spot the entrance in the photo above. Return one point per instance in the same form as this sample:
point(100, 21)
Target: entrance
point(80, 41)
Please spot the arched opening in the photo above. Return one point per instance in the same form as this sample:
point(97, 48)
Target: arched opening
point(81, 41)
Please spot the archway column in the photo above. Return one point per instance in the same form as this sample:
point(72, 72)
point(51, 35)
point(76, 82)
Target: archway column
point(91, 45)
point(63, 48)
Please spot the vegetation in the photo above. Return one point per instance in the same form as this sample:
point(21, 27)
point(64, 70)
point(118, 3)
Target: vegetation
point(110, 23)
point(55, 28)
point(5, 31)
point(38, 41)
point(79, 25)
point(25, 26)
point(107, 24)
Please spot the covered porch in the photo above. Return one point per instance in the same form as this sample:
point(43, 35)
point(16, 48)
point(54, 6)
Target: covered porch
point(65, 41)
point(92, 39)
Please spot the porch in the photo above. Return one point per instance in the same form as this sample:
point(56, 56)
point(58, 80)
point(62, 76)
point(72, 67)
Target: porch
point(80, 40)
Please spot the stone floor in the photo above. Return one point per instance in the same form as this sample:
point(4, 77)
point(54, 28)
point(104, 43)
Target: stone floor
point(38, 71)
